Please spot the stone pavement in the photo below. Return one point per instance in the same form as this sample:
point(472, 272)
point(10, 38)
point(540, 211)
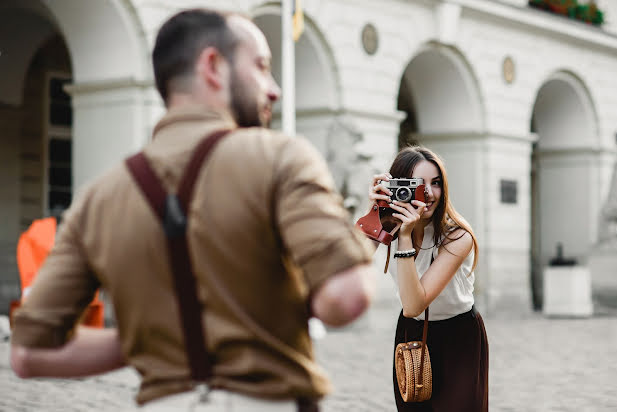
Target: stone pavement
point(536, 365)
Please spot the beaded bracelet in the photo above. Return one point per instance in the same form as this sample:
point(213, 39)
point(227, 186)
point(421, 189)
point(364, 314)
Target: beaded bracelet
point(405, 253)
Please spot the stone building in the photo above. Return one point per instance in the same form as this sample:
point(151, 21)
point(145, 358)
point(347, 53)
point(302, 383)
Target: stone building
point(520, 103)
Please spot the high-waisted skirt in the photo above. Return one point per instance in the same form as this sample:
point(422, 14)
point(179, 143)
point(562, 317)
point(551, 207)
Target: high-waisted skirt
point(459, 359)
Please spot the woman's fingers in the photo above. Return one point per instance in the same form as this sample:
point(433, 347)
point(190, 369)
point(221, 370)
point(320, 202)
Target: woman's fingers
point(379, 189)
point(379, 183)
point(378, 196)
point(404, 219)
point(415, 206)
point(381, 177)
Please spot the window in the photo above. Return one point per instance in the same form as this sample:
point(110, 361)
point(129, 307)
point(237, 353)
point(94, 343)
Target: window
point(59, 182)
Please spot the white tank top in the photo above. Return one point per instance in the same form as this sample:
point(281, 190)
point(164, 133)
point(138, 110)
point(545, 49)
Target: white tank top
point(457, 296)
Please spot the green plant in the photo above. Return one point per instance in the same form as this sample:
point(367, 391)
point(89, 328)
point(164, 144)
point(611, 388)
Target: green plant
point(588, 13)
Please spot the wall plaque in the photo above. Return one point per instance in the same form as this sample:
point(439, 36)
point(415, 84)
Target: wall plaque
point(508, 69)
point(370, 40)
point(508, 191)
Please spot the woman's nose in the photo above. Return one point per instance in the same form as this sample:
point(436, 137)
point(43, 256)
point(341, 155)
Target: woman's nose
point(429, 191)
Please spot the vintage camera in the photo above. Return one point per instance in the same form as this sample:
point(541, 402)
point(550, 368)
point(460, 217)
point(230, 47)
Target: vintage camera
point(379, 224)
point(404, 190)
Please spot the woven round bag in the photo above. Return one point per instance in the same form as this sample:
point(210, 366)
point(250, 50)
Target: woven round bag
point(412, 388)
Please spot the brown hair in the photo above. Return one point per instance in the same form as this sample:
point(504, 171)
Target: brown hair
point(182, 38)
point(445, 218)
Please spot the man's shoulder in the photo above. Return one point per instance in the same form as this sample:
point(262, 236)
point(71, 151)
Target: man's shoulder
point(107, 184)
point(260, 135)
point(271, 144)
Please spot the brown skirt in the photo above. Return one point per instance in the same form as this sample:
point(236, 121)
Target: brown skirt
point(459, 358)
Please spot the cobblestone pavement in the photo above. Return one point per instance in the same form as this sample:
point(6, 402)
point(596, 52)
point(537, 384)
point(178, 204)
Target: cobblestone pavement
point(536, 364)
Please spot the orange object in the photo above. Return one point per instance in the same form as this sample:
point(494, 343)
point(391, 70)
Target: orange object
point(32, 249)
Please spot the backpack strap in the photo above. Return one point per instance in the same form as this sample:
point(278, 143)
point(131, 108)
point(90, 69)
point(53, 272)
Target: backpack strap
point(172, 211)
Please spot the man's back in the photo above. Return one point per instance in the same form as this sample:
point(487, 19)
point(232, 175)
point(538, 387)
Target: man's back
point(264, 231)
point(268, 238)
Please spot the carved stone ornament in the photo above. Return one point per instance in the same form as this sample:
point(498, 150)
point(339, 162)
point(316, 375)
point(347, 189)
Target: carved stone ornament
point(508, 69)
point(370, 40)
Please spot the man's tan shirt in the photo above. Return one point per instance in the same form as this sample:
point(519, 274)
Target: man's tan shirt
point(266, 228)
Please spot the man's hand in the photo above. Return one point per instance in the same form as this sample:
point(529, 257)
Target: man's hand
point(345, 296)
point(90, 352)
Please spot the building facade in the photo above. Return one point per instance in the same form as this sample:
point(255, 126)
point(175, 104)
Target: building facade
point(521, 104)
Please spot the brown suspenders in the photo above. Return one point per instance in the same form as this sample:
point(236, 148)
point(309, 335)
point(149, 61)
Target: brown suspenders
point(172, 210)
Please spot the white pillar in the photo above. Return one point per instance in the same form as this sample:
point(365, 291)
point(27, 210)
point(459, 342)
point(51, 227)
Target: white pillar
point(477, 165)
point(288, 70)
point(112, 119)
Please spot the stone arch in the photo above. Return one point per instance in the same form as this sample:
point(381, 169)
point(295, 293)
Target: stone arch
point(111, 81)
point(102, 37)
point(441, 99)
point(565, 201)
point(318, 92)
point(105, 39)
point(564, 94)
point(317, 84)
point(440, 94)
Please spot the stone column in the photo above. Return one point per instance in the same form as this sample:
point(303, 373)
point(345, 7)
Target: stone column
point(112, 119)
point(369, 148)
point(603, 258)
point(489, 185)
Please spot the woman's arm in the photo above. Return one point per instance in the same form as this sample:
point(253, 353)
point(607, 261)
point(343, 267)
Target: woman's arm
point(417, 294)
point(91, 351)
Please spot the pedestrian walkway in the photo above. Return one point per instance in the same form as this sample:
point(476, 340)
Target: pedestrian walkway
point(536, 365)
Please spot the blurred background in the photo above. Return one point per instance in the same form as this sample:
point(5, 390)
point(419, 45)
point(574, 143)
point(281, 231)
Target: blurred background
point(519, 98)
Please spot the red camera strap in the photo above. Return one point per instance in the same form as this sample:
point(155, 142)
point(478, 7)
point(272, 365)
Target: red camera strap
point(370, 224)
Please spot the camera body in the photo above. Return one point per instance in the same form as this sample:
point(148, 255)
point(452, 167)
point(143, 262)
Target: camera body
point(379, 224)
point(404, 190)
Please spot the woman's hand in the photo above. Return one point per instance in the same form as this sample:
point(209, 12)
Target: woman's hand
point(408, 214)
point(378, 190)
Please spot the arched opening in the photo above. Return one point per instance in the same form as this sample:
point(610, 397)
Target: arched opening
point(36, 118)
point(317, 93)
point(54, 141)
point(442, 105)
point(439, 97)
point(564, 200)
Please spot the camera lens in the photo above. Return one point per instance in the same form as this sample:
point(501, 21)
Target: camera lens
point(403, 194)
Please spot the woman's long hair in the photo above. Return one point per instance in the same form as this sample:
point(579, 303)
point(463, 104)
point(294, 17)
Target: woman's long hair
point(445, 218)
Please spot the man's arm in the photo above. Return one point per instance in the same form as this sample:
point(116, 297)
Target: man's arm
point(91, 351)
point(344, 296)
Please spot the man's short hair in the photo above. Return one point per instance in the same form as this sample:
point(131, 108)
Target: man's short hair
point(182, 38)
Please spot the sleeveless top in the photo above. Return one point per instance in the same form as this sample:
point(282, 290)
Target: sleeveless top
point(457, 296)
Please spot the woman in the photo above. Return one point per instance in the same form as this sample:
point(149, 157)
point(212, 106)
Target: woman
point(436, 253)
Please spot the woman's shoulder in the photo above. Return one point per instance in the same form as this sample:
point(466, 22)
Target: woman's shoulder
point(458, 240)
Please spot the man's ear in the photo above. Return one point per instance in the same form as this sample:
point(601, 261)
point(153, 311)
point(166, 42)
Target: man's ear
point(211, 67)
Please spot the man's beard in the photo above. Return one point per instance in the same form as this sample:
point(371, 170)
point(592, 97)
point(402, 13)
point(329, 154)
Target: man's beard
point(244, 106)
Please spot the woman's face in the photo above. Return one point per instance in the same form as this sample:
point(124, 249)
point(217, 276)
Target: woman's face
point(429, 172)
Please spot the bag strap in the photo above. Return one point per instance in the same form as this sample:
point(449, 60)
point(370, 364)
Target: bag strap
point(172, 211)
point(424, 335)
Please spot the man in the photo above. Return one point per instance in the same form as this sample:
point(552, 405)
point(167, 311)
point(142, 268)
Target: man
point(264, 223)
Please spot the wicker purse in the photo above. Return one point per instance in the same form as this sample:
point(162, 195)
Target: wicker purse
point(413, 368)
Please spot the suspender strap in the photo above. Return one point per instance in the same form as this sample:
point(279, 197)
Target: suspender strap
point(148, 183)
point(172, 211)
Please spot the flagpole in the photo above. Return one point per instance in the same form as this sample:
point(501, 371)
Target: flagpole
point(288, 69)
